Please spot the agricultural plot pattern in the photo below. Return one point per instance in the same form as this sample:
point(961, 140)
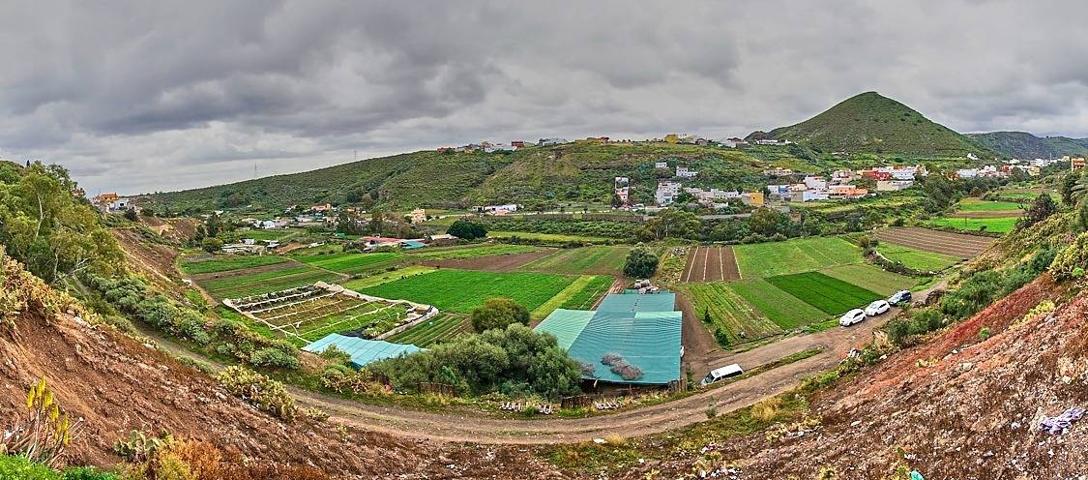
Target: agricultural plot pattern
point(248, 282)
point(955, 244)
point(917, 259)
point(444, 327)
point(462, 291)
point(578, 261)
point(310, 313)
point(352, 263)
point(830, 295)
point(225, 264)
point(711, 264)
point(586, 289)
point(794, 256)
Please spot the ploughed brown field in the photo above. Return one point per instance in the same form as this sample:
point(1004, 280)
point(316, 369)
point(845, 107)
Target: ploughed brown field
point(711, 264)
point(957, 244)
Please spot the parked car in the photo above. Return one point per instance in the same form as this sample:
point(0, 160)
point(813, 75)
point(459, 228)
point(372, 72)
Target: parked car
point(722, 373)
point(876, 308)
point(899, 298)
point(853, 316)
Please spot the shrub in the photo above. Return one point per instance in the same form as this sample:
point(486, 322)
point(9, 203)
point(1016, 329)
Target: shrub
point(259, 390)
point(467, 230)
point(641, 263)
point(17, 467)
point(273, 357)
point(1071, 261)
point(498, 313)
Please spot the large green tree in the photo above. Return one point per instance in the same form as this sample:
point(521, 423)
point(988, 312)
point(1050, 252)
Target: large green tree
point(46, 226)
point(641, 263)
point(671, 223)
point(498, 313)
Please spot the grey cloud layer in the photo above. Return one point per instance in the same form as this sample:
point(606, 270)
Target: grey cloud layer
point(142, 96)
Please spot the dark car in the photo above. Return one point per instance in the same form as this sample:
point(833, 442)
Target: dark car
point(900, 298)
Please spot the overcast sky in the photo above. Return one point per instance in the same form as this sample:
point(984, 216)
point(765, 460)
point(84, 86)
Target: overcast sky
point(144, 96)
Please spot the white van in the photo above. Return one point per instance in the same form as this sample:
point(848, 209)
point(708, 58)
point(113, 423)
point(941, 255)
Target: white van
point(720, 373)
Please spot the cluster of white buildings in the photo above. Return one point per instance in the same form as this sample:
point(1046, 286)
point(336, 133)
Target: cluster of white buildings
point(839, 186)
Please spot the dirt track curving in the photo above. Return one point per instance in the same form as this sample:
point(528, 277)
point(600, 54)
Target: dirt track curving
point(956, 244)
point(711, 264)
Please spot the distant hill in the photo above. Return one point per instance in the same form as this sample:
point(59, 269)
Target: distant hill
point(871, 123)
point(1027, 146)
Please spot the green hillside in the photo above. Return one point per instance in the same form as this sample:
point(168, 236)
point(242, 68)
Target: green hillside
point(576, 172)
point(1027, 146)
point(871, 123)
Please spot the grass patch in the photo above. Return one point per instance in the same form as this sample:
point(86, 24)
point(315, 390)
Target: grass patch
point(228, 263)
point(998, 225)
point(464, 290)
point(785, 310)
point(588, 295)
point(871, 278)
point(577, 261)
point(265, 282)
point(831, 295)
point(468, 251)
point(386, 277)
point(794, 256)
point(575, 288)
point(547, 237)
point(917, 259)
point(352, 263)
point(979, 205)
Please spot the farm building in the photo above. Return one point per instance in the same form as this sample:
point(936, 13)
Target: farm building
point(631, 338)
point(361, 350)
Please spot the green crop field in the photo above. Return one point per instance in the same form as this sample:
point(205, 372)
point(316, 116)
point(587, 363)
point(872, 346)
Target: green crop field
point(548, 237)
point(352, 263)
point(577, 261)
point(828, 294)
point(442, 327)
point(265, 282)
point(378, 317)
point(794, 256)
point(871, 278)
point(464, 290)
point(998, 225)
point(588, 295)
point(579, 292)
point(385, 277)
point(730, 311)
point(468, 251)
point(979, 205)
point(228, 263)
point(916, 259)
point(785, 310)
point(272, 234)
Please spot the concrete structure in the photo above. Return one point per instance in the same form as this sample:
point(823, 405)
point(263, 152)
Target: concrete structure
point(683, 172)
point(893, 185)
point(417, 216)
point(666, 193)
point(754, 199)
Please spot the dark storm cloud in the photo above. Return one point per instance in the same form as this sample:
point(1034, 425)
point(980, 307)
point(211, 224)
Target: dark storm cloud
point(141, 96)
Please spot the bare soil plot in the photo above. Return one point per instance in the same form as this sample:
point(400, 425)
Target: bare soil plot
point(711, 264)
point(988, 214)
point(492, 263)
point(956, 244)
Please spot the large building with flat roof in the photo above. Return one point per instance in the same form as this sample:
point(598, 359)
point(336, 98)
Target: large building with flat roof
point(631, 338)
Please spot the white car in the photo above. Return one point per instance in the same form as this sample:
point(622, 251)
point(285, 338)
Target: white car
point(853, 316)
point(878, 307)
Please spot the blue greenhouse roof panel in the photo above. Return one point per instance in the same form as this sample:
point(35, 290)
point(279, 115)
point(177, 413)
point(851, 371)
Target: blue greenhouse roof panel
point(362, 351)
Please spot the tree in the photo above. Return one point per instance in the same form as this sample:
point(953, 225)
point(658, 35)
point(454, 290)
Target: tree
point(1041, 208)
point(765, 221)
point(213, 226)
point(377, 222)
point(130, 214)
point(617, 202)
point(1080, 189)
point(1066, 188)
point(641, 263)
point(211, 244)
point(498, 313)
point(467, 230)
point(671, 223)
point(52, 232)
point(348, 224)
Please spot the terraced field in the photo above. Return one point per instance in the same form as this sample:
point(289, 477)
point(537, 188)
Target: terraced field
point(929, 240)
point(997, 225)
point(547, 237)
point(599, 260)
point(463, 290)
point(353, 263)
point(385, 277)
point(468, 251)
point(794, 256)
point(227, 263)
point(443, 327)
point(831, 295)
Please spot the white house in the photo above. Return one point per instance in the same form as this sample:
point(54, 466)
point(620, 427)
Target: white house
point(683, 172)
point(547, 142)
point(815, 183)
point(661, 164)
point(666, 192)
point(501, 209)
point(810, 196)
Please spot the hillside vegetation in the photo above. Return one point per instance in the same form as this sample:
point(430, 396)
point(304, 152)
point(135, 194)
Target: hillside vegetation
point(1027, 146)
point(871, 123)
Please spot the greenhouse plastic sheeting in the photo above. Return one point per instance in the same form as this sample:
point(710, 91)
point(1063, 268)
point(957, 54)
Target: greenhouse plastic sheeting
point(565, 325)
point(361, 350)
